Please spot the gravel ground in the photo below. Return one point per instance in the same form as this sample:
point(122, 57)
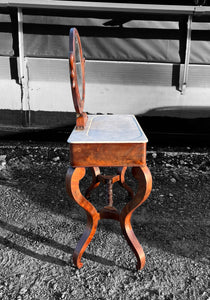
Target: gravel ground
point(40, 227)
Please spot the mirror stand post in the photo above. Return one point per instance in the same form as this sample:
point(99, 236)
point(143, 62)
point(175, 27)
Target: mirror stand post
point(81, 120)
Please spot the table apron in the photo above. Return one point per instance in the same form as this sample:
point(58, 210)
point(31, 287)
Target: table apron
point(107, 154)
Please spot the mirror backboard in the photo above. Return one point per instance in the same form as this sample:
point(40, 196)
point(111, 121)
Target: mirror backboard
point(77, 70)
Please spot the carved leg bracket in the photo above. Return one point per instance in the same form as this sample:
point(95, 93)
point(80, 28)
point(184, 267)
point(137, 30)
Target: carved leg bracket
point(95, 182)
point(121, 171)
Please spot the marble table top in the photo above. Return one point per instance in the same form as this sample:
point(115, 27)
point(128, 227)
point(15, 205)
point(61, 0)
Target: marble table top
point(109, 129)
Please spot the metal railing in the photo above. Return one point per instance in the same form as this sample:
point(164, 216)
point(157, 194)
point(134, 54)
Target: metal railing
point(135, 9)
point(109, 7)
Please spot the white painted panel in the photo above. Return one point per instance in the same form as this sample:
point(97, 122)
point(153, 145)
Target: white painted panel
point(10, 95)
point(10, 91)
point(199, 76)
point(49, 85)
point(5, 68)
point(48, 69)
point(50, 96)
point(143, 99)
point(122, 88)
point(110, 86)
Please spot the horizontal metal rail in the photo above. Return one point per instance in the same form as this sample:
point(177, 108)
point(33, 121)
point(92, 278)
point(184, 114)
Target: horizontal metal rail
point(108, 7)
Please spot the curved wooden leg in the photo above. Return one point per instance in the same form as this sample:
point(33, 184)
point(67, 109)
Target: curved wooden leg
point(121, 171)
point(73, 178)
point(95, 182)
point(143, 175)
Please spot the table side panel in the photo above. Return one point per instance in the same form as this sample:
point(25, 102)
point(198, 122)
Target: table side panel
point(105, 154)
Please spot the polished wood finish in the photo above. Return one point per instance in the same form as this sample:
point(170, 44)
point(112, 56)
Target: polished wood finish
point(78, 99)
point(95, 182)
point(144, 178)
point(81, 121)
point(96, 147)
point(73, 178)
point(142, 175)
point(107, 154)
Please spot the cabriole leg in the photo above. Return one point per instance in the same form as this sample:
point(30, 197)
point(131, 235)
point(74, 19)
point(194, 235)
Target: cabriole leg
point(144, 178)
point(73, 177)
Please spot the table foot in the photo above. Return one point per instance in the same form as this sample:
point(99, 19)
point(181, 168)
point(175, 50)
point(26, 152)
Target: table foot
point(143, 176)
point(85, 240)
point(73, 177)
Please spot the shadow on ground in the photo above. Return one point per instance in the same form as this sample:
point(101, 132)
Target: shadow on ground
point(40, 226)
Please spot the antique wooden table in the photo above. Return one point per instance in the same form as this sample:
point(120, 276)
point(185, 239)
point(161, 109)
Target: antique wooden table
point(105, 141)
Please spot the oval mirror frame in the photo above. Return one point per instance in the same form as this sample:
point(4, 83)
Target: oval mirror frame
point(78, 88)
